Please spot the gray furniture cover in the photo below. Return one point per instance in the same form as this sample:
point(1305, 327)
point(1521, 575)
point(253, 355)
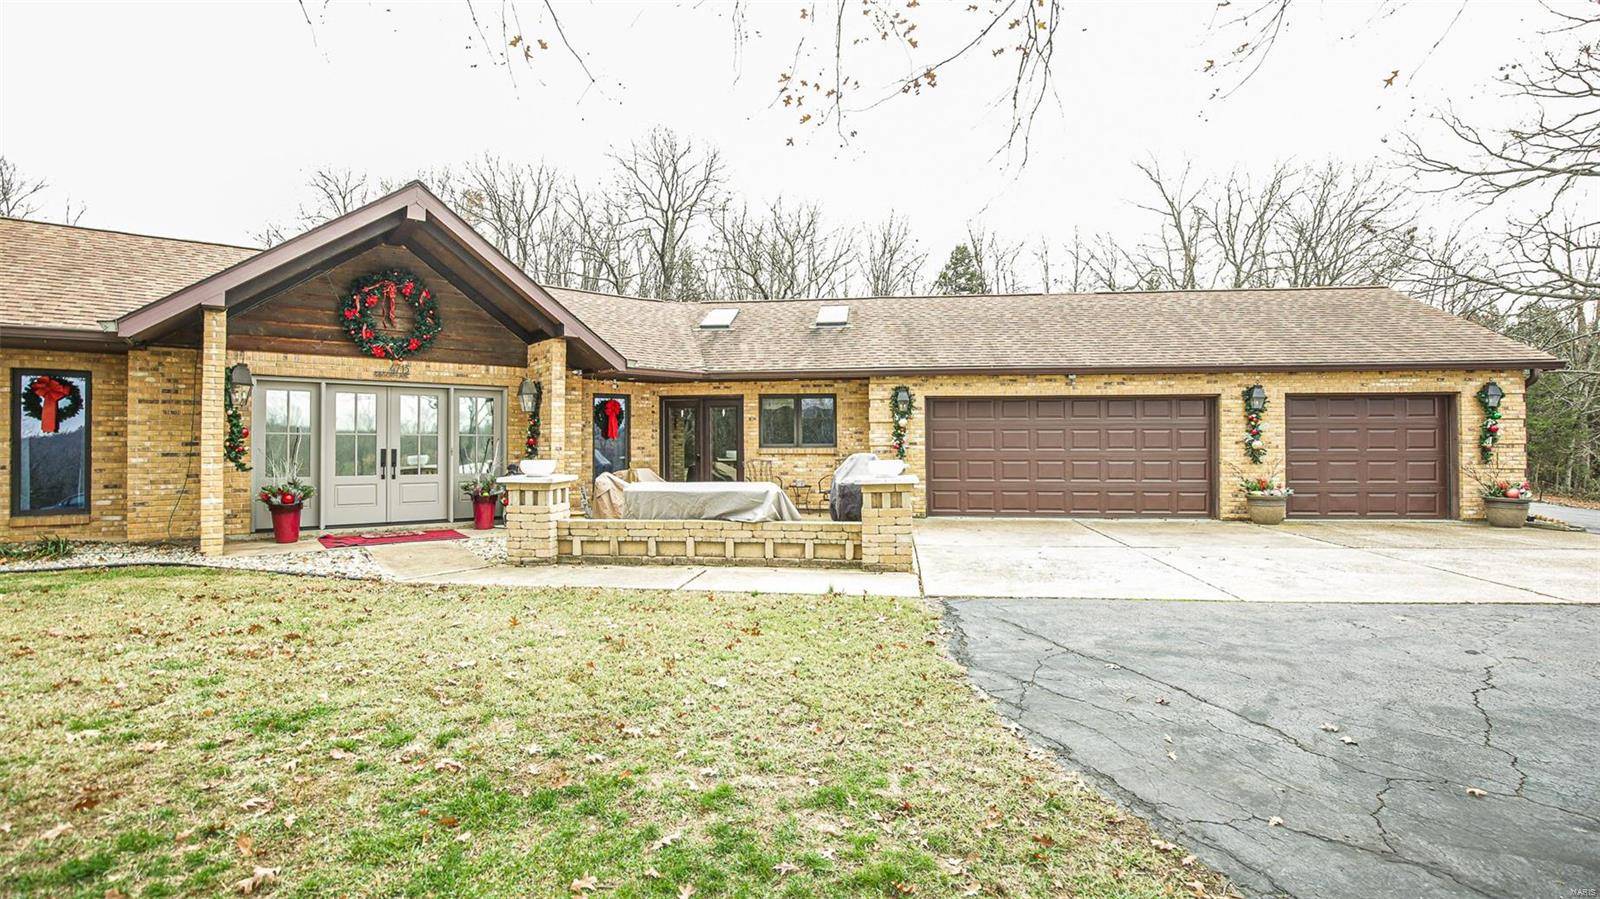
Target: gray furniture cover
point(727, 500)
point(844, 502)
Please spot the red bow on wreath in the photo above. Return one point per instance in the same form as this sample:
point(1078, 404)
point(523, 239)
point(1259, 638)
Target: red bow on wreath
point(613, 413)
point(50, 392)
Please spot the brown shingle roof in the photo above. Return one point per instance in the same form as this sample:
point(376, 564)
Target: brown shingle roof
point(1332, 327)
point(63, 276)
point(58, 276)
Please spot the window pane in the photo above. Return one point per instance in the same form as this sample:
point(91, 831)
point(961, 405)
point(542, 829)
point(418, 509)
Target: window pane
point(777, 421)
point(344, 412)
point(408, 415)
point(816, 421)
point(344, 455)
point(428, 451)
point(277, 454)
point(367, 413)
point(611, 454)
point(367, 454)
point(52, 467)
point(300, 450)
point(277, 409)
point(429, 415)
point(300, 409)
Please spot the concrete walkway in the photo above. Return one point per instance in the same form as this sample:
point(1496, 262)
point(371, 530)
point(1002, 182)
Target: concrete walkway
point(1321, 561)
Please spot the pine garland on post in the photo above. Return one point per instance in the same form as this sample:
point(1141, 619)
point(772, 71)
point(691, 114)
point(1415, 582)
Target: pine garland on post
point(1253, 445)
point(1489, 431)
point(900, 412)
point(234, 448)
point(530, 446)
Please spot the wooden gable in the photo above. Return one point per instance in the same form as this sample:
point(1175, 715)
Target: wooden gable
point(305, 317)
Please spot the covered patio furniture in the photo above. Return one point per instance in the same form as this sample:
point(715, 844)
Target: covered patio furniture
point(726, 500)
point(844, 491)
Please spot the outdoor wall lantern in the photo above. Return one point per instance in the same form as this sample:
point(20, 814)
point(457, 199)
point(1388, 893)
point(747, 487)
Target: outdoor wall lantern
point(240, 383)
point(1255, 400)
point(1492, 395)
point(528, 395)
point(902, 397)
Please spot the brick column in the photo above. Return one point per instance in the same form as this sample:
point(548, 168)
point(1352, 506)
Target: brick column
point(213, 427)
point(533, 506)
point(886, 509)
point(547, 364)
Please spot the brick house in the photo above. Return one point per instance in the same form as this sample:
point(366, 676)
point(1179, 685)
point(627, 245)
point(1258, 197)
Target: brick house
point(1081, 404)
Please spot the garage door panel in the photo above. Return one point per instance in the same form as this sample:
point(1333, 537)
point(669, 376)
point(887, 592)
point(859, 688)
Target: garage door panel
point(1371, 455)
point(1077, 456)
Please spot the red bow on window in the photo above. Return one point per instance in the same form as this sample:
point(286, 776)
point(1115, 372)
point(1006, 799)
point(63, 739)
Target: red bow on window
point(613, 413)
point(50, 392)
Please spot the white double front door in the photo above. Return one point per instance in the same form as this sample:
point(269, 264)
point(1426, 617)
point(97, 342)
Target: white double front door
point(379, 453)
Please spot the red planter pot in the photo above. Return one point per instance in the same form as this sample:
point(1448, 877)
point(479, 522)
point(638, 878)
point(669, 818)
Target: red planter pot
point(483, 508)
point(286, 522)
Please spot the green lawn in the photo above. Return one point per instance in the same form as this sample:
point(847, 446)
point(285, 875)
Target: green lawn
point(196, 728)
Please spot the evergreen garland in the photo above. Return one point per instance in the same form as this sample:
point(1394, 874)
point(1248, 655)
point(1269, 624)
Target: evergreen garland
point(901, 416)
point(1489, 431)
point(1253, 446)
point(530, 446)
point(234, 448)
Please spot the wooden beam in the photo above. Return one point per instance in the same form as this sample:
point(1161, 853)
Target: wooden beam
point(331, 262)
point(451, 256)
point(450, 274)
point(310, 264)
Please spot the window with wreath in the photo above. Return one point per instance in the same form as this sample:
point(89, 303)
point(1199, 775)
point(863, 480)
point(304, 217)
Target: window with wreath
point(610, 433)
point(797, 420)
point(49, 442)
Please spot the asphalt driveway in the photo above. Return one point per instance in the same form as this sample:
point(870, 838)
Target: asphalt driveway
point(1216, 721)
point(1343, 561)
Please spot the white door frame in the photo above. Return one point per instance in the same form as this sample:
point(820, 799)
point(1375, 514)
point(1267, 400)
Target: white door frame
point(322, 465)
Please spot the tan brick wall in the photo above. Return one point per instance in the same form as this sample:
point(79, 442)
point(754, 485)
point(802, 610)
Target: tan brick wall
point(419, 371)
point(163, 444)
point(1510, 453)
point(108, 423)
point(807, 465)
point(812, 542)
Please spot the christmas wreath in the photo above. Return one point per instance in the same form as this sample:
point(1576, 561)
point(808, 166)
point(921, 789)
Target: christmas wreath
point(373, 297)
point(608, 417)
point(51, 400)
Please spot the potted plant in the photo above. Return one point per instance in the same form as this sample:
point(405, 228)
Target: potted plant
point(1505, 503)
point(486, 492)
point(284, 500)
point(1266, 499)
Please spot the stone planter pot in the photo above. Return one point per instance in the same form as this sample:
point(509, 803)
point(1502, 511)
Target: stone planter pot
point(1267, 509)
point(1506, 513)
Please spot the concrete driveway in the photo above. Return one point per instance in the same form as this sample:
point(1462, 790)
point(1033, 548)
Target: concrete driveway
point(1341, 561)
point(1216, 721)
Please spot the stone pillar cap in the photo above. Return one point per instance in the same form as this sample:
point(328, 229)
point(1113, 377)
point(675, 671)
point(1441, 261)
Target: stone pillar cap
point(528, 480)
point(902, 479)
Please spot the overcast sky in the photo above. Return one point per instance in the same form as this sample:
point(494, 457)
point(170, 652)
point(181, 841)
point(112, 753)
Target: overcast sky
point(203, 120)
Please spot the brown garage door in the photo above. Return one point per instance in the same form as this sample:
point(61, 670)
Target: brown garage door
point(1368, 455)
point(1069, 456)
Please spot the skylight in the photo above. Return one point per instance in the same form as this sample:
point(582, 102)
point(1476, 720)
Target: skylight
point(719, 318)
point(833, 316)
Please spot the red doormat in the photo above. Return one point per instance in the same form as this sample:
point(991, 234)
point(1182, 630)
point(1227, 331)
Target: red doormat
point(334, 541)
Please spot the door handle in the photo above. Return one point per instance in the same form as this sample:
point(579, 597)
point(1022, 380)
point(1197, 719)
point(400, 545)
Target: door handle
point(394, 462)
point(383, 470)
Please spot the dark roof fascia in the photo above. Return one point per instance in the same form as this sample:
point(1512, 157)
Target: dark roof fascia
point(650, 374)
point(61, 339)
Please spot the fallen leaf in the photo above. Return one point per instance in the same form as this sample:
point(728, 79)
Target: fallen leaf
point(1162, 700)
point(258, 879)
point(685, 890)
point(584, 884)
point(1274, 821)
point(448, 765)
point(1163, 845)
point(338, 754)
point(247, 846)
point(150, 746)
point(1188, 860)
point(1476, 793)
point(56, 831)
point(256, 804)
point(666, 841)
point(783, 868)
point(1330, 728)
point(75, 736)
point(114, 893)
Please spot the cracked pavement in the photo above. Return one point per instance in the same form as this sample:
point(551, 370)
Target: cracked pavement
point(1207, 718)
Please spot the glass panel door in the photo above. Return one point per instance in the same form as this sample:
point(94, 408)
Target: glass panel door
point(285, 442)
point(478, 449)
point(610, 453)
point(726, 434)
point(415, 472)
point(358, 491)
point(681, 440)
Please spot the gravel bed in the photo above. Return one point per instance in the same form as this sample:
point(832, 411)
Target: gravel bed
point(351, 562)
point(490, 549)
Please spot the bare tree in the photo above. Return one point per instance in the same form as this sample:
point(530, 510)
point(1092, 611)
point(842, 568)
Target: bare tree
point(996, 258)
point(18, 192)
point(334, 192)
point(667, 186)
point(517, 206)
point(893, 262)
point(780, 253)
